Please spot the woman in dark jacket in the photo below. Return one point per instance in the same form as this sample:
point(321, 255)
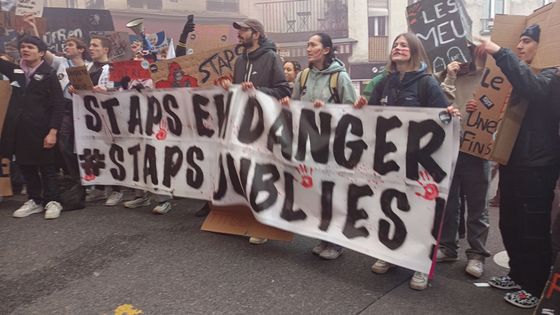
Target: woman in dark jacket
point(408, 83)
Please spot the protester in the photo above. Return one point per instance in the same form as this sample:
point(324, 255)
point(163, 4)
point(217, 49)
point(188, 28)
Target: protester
point(471, 178)
point(315, 84)
point(408, 83)
point(527, 182)
point(32, 122)
point(259, 67)
point(291, 70)
point(99, 48)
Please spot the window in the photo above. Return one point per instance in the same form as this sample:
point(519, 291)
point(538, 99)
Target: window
point(223, 5)
point(145, 4)
point(493, 7)
point(377, 26)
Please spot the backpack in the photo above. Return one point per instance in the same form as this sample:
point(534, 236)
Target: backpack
point(72, 193)
point(333, 82)
point(422, 88)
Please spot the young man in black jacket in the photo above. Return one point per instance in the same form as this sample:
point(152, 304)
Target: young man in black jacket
point(527, 182)
point(31, 126)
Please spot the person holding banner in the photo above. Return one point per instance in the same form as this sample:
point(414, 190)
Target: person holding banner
point(291, 70)
point(324, 81)
point(527, 182)
point(32, 122)
point(409, 82)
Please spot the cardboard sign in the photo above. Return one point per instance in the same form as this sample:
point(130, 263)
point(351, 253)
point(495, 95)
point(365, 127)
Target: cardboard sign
point(316, 172)
point(201, 68)
point(79, 78)
point(239, 220)
point(29, 7)
point(65, 22)
point(440, 27)
point(209, 37)
point(120, 45)
point(5, 182)
point(134, 69)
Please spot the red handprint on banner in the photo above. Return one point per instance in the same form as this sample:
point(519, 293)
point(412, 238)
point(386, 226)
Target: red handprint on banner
point(431, 190)
point(306, 176)
point(162, 133)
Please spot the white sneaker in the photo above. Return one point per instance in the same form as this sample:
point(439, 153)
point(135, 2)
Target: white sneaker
point(114, 198)
point(27, 209)
point(475, 268)
point(162, 208)
point(137, 203)
point(96, 195)
point(53, 209)
point(419, 281)
point(257, 240)
point(381, 266)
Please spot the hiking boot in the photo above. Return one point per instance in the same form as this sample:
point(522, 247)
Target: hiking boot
point(27, 209)
point(162, 208)
point(504, 283)
point(137, 203)
point(331, 252)
point(114, 198)
point(381, 266)
point(257, 240)
point(443, 257)
point(53, 210)
point(319, 248)
point(96, 195)
point(419, 281)
point(475, 268)
point(522, 299)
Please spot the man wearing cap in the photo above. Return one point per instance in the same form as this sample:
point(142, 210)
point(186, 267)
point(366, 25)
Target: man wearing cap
point(259, 66)
point(32, 121)
point(527, 182)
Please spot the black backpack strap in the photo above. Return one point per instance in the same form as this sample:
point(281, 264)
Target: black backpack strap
point(333, 83)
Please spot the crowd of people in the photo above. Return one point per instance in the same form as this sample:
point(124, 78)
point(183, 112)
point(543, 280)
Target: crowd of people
point(39, 134)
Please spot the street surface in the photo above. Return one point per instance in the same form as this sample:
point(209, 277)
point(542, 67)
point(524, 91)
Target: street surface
point(112, 260)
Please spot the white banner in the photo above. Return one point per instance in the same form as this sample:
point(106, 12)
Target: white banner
point(374, 180)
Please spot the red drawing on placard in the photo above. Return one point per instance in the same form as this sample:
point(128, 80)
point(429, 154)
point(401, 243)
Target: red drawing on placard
point(306, 175)
point(162, 133)
point(431, 190)
point(89, 177)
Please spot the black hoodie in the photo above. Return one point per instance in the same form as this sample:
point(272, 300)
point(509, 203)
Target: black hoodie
point(264, 68)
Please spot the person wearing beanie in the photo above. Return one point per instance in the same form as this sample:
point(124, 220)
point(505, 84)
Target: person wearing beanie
point(527, 182)
point(32, 122)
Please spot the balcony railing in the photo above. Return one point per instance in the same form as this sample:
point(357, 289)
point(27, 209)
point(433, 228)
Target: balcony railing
point(486, 26)
point(378, 48)
point(305, 16)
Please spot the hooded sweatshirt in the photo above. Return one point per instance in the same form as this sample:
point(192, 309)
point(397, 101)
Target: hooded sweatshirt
point(264, 68)
point(406, 92)
point(317, 86)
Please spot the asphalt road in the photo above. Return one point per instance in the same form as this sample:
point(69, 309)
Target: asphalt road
point(112, 260)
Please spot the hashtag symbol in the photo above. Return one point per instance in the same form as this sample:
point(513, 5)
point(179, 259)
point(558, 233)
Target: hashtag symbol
point(92, 161)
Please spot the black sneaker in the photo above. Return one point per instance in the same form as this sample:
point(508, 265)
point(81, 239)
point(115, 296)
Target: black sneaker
point(522, 299)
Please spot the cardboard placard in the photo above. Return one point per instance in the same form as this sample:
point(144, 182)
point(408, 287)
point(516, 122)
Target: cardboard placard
point(239, 220)
point(440, 27)
point(134, 69)
point(29, 7)
point(200, 68)
point(79, 78)
point(209, 37)
point(120, 45)
point(5, 182)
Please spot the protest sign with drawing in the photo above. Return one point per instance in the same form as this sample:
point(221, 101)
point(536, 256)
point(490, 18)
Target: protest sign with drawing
point(133, 69)
point(79, 78)
point(200, 68)
point(442, 30)
point(120, 45)
point(29, 7)
point(379, 190)
point(5, 181)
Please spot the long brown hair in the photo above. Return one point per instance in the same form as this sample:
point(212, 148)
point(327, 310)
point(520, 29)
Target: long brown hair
point(417, 53)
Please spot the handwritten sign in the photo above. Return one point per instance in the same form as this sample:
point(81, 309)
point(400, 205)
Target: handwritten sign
point(5, 182)
point(79, 78)
point(29, 7)
point(203, 68)
point(120, 45)
point(134, 69)
point(440, 27)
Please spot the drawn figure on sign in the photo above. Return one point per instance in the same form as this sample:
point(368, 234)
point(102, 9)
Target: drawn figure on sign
point(455, 54)
point(438, 64)
point(413, 12)
point(93, 161)
point(94, 19)
point(306, 176)
point(431, 190)
point(162, 133)
point(177, 78)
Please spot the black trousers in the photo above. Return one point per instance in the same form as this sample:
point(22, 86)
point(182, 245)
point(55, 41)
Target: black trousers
point(66, 147)
point(41, 183)
point(526, 196)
